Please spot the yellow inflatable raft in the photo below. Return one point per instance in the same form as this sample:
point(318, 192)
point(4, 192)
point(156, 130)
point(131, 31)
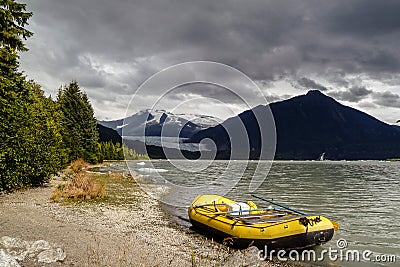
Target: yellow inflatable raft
point(246, 224)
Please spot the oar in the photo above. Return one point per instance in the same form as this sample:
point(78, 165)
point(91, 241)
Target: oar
point(208, 205)
point(280, 205)
point(225, 212)
point(233, 211)
point(335, 224)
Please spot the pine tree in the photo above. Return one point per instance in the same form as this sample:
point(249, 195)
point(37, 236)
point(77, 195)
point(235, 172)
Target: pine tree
point(30, 140)
point(47, 149)
point(79, 125)
point(15, 99)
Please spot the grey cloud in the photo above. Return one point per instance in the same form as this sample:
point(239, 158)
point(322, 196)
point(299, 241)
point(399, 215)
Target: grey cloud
point(364, 17)
point(268, 40)
point(276, 98)
point(338, 81)
point(354, 94)
point(204, 90)
point(255, 37)
point(311, 84)
point(360, 91)
point(387, 99)
point(273, 98)
point(382, 60)
point(367, 105)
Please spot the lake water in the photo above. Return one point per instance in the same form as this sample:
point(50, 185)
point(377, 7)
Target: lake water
point(363, 197)
point(168, 142)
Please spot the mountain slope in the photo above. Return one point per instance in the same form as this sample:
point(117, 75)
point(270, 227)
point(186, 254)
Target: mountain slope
point(107, 134)
point(312, 124)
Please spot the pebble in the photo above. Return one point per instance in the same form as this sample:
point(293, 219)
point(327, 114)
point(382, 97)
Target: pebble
point(134, 232)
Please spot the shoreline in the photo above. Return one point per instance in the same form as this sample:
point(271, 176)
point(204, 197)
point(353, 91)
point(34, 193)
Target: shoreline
point(127, 229)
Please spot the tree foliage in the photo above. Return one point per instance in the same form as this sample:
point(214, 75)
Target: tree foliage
point(111, 151)
point(47, 131)
point(13, 18)
point(15, 99)
point(31, 146)
point(31, 142)
point(39, 136)
point(79, 125)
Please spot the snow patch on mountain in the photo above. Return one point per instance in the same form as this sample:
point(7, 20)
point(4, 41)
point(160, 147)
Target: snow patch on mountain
point(161, 123)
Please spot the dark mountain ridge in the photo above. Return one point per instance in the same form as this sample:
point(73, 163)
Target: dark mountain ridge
point(312, 124)
point(107, 134)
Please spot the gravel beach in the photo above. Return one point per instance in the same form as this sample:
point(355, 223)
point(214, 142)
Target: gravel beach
point(127, 229)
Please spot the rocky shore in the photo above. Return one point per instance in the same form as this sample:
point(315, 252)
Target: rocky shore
point(126, 229)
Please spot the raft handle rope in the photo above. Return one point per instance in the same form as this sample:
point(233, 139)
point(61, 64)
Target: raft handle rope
point(306, 221)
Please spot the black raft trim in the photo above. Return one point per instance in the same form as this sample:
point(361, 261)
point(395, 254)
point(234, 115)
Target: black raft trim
point(299, 241)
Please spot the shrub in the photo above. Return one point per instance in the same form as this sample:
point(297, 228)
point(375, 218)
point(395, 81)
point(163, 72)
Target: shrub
point(78, 165)
point(82, 186)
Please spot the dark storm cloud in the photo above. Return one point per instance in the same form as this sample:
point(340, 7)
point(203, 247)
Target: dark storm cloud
point(387, 99)
point(359, 36)
point(199, 90)
point(354, 94)
point(364, 17)
point(111, 47)
point(359, 91)
point(310, 84)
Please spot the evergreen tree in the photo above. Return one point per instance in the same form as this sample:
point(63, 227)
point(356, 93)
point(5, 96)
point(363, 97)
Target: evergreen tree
point(30, 140)
point(79, 133)
point(15, 98)
point(109, 151)
point(47, 149)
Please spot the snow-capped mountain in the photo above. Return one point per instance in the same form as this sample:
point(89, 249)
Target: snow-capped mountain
point(161, 122)
point(203, 121)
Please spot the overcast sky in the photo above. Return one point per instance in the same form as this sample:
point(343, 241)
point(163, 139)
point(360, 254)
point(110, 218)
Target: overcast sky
point(347, 49)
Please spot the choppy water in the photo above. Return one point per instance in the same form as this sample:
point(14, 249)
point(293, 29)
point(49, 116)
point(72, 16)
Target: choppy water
point(364, 197)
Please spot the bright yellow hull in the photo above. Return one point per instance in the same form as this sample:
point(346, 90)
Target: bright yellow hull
point(273, 228)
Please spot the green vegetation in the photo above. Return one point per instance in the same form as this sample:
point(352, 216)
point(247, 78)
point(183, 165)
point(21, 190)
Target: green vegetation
point(29, 139)
point(80, 134)
point(111, 151)
point(40, 136)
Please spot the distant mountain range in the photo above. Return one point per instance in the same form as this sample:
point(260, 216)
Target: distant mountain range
point(161, 122)
point(307, 126)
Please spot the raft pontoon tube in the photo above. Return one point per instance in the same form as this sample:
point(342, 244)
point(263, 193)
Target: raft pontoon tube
point(245, 224)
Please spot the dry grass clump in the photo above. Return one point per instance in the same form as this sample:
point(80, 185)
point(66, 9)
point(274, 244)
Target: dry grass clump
point(125, 176)
point(78, 165)
point(82, 186)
